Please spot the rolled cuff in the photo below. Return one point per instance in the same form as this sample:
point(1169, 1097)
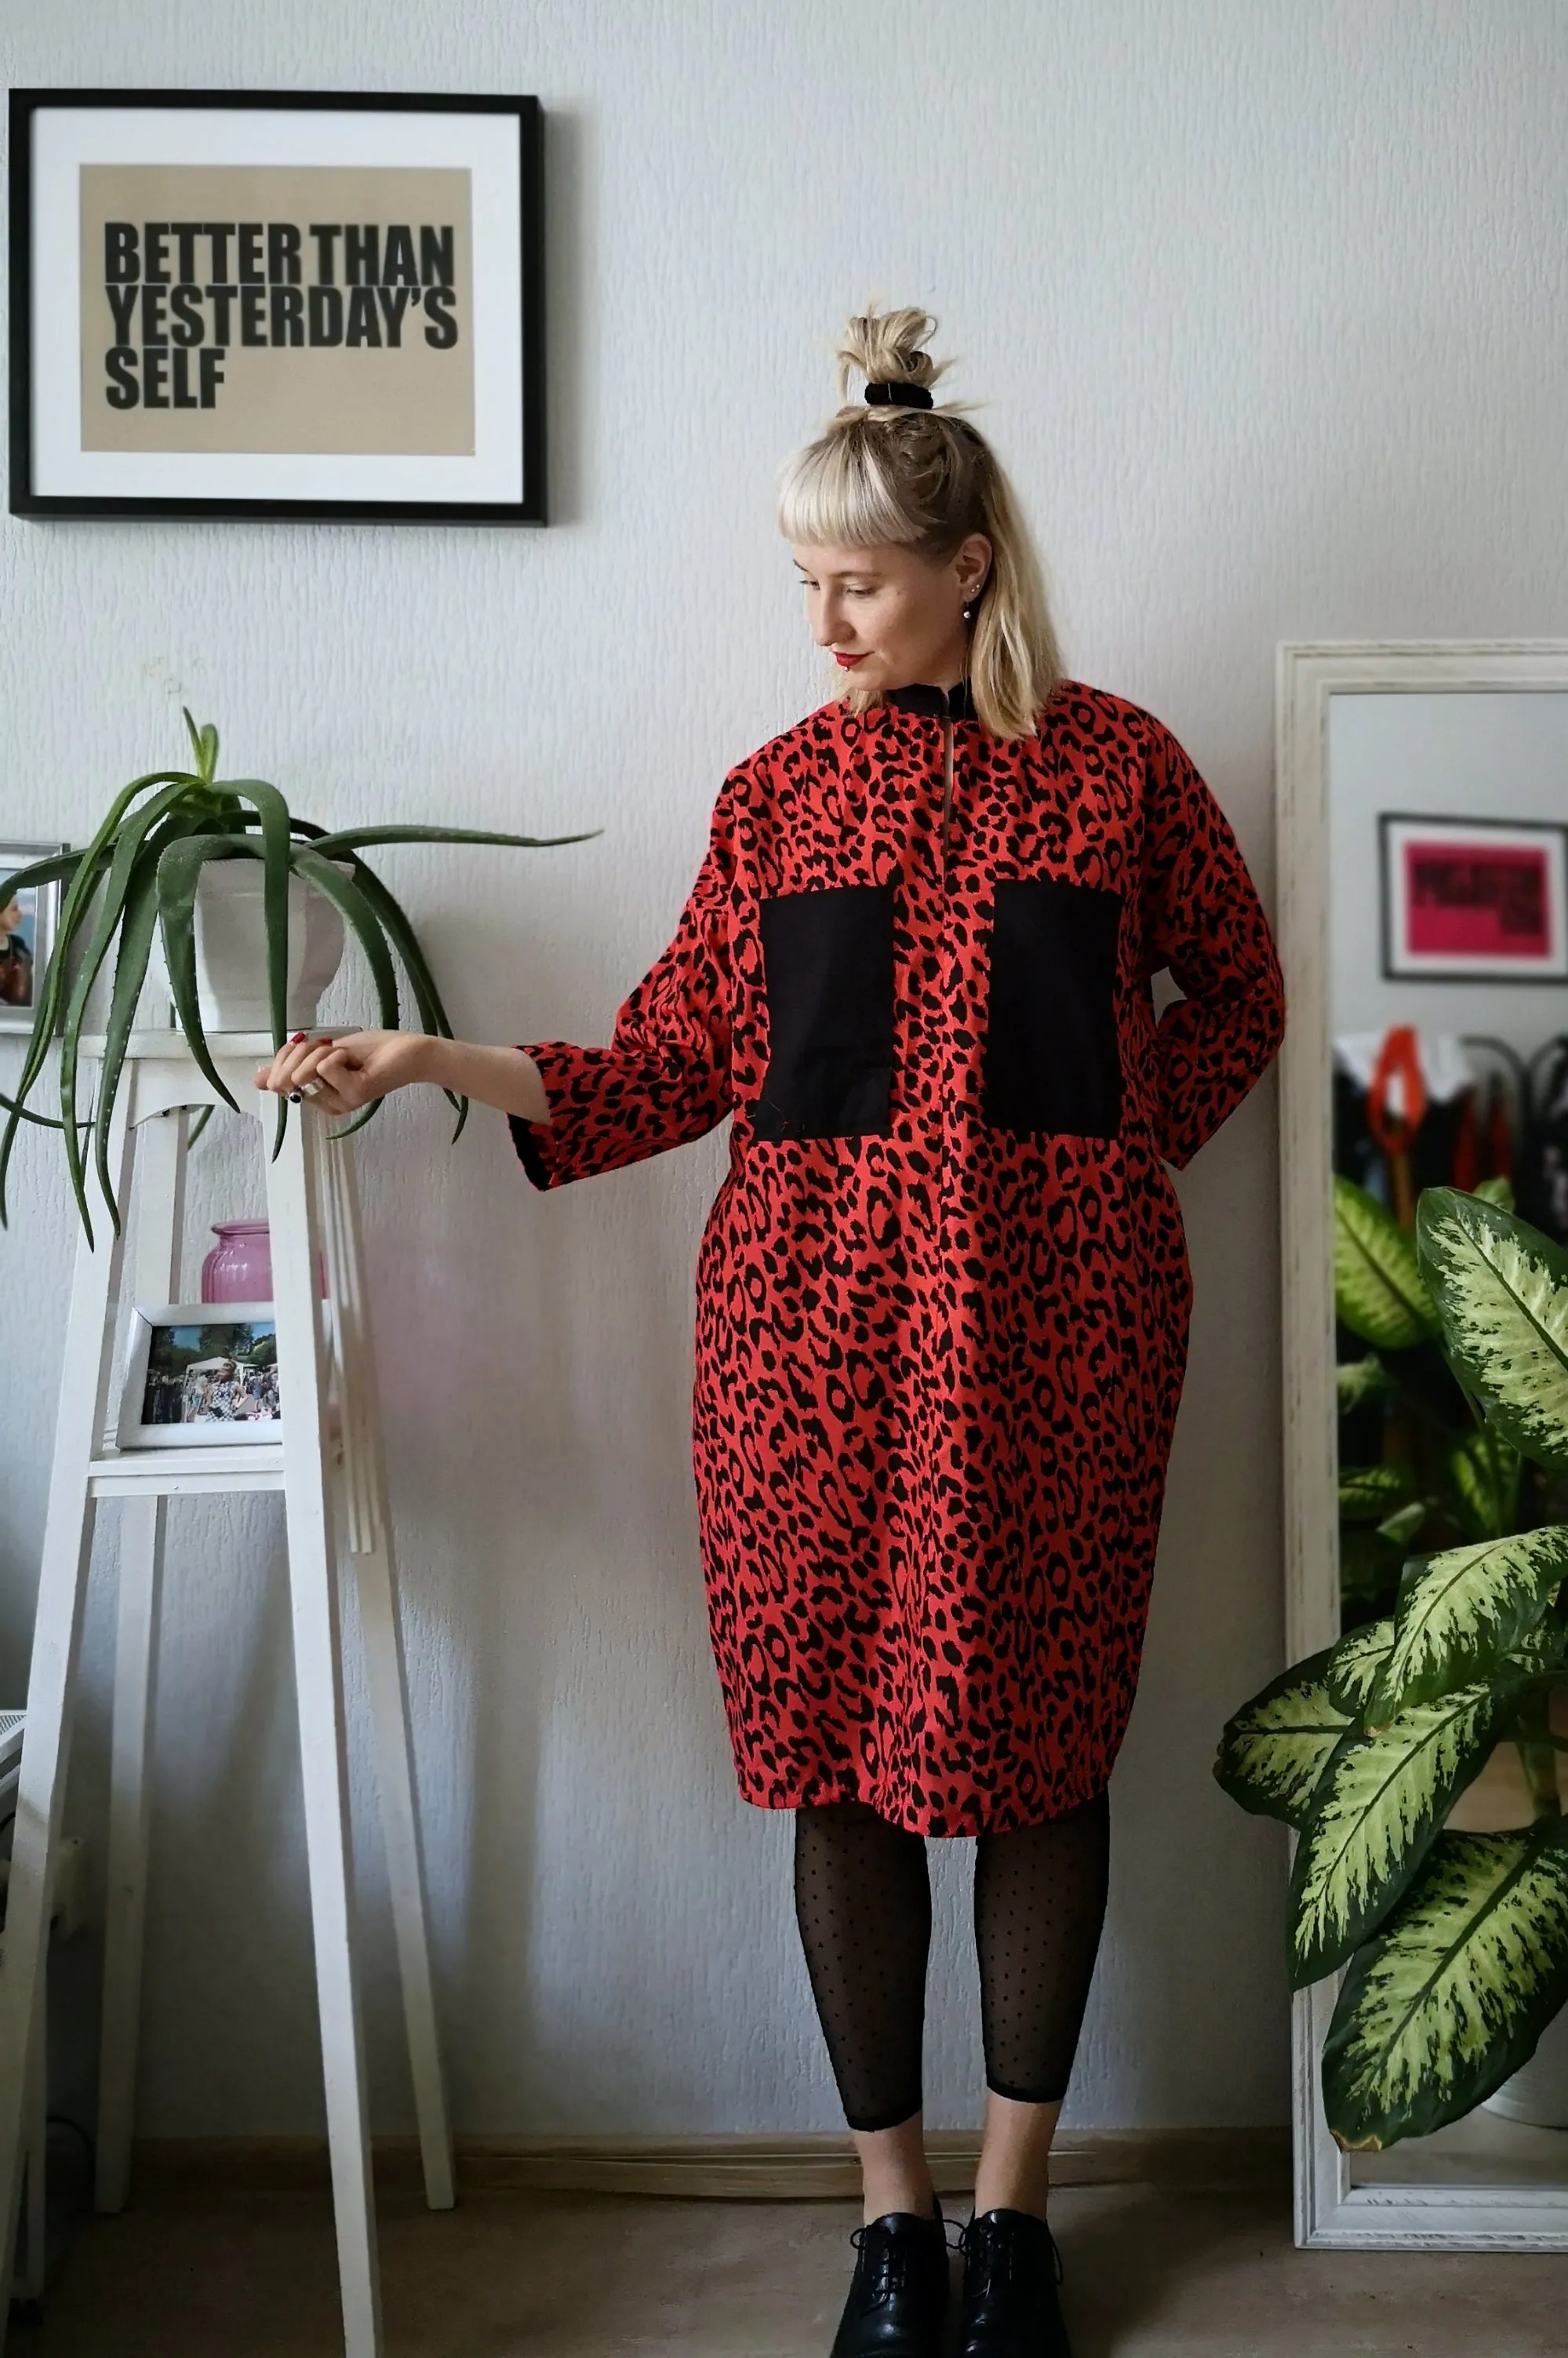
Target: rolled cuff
point(539, 1144)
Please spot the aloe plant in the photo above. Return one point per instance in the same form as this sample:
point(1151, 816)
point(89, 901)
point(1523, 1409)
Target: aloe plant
point(140, 875)
point(1454, 1947)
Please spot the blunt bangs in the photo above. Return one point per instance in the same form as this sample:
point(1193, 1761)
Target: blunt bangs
point(837, 493)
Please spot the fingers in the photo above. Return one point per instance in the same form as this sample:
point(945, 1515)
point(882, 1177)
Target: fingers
point(293, 1064)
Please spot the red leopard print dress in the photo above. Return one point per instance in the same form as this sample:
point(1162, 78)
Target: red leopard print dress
point(943, 1292)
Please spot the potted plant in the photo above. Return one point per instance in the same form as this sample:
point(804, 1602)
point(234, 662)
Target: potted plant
point(1416, 1471)
point(165, 863)
point(1454, 1945)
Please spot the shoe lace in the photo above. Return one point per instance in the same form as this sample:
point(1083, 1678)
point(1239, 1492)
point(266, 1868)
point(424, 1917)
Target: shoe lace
point(992, 2256)
point(893, 2258)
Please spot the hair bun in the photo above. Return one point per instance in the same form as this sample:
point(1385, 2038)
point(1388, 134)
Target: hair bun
point(888, 347)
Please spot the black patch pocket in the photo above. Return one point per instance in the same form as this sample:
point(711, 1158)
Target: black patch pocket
point(827, 967)
point(1051, 1054)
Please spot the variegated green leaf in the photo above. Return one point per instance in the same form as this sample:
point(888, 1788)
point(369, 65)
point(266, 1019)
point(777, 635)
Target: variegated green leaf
point(1460, 1610)
point(1367, 1493)
point(1501, 1289)
point(1484, 1471)
point(1276, 1748)
point(1380, 1803)
point(1351, 1671)
point(1498, 1191)
point(1402, 1527)
point(1379, 1291)
point(1369, 1567)
point(1357, 1381)
point(1451, 1999)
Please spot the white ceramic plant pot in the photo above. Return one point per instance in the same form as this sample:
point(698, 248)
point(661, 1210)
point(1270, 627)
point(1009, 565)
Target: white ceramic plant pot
point(1538, 2093)
point(231, 948)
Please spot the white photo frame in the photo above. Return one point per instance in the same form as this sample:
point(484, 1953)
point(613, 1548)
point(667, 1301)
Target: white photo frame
point(24, 955)
point(235, 1404)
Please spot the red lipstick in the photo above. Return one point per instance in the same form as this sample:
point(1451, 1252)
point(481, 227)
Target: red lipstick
point(847, 662)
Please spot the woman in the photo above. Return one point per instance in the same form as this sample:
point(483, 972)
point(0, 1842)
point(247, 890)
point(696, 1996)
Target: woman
point(943, 1293)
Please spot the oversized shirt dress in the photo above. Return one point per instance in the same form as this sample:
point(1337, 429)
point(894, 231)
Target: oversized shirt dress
point(943, 1292)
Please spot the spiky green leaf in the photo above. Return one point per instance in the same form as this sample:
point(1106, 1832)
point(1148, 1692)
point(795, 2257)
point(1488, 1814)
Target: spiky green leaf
point(271, 812)
point(1461, 1610)
point(1451, 1999)
point(1274, 1750)
point(1367, 1493)
point(1379, 1291)
point(136, 830)
point(1351, 1671)
point(178, 875)
point(353, 838)
point(426, 998)
point(1502, 1290)
point(1382, 1799)
point(137, 926)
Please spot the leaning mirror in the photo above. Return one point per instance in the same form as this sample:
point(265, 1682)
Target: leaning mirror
point(1423, 930)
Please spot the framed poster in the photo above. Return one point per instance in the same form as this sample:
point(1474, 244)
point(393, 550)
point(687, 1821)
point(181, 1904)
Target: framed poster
point(1468, 899)
point(276, 304)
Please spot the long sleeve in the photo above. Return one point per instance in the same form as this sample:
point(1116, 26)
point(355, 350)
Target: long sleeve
point(1202, 919)
point(664, 1077)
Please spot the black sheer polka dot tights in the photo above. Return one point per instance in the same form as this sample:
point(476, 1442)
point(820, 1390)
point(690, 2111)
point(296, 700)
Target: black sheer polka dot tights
point(863, 1897)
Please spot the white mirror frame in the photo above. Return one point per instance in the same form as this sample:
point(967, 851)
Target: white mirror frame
point(1329, 2209)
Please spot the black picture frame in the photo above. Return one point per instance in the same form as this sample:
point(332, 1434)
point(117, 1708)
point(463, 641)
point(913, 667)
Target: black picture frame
point(531, 508)
point(1395, 966)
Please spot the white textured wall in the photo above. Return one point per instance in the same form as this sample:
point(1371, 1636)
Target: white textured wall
point(1267, 305)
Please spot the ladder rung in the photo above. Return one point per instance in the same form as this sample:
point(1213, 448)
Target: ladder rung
point(257, 1466)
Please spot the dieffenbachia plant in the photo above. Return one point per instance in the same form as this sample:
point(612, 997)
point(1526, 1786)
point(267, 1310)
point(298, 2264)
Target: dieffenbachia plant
point(140, 874)
point(1435, 1474)
point(1453, 1946)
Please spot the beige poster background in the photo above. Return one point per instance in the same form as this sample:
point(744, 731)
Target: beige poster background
point(407, 397)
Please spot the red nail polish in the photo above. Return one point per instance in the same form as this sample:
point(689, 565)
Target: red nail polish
point(295, 1038)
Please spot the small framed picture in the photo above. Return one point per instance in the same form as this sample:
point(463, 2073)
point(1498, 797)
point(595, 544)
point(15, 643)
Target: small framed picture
point(28, 920)
point(1468, 899)
point(200, 1375)
point(302, 304)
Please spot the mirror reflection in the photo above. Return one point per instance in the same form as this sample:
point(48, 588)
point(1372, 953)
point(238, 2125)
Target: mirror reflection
point(1449, 1018)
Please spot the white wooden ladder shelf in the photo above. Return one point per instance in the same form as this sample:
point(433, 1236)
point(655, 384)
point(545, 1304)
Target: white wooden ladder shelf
point(312, 1209)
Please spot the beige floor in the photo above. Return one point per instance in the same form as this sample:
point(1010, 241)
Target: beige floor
point(1149, 2275)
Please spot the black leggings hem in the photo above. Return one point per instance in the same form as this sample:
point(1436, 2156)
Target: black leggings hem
point(1026, 2096)
point(867, 2127)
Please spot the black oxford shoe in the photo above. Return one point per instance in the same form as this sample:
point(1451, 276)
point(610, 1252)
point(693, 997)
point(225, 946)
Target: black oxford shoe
point(899, 2297)
point(1011, 2270)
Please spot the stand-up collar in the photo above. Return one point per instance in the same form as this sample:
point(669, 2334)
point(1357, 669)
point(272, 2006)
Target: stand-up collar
point(935, 703)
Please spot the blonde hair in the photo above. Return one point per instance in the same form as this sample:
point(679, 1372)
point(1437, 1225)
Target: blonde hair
point(925, 479)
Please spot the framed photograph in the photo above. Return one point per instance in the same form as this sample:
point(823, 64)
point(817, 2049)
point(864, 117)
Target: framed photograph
point(265, 303)
point(27, 934)
point(1474, 898)
point(200, 1375)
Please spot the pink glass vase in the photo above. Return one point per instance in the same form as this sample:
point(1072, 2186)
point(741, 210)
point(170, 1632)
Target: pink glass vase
point(239, 1267)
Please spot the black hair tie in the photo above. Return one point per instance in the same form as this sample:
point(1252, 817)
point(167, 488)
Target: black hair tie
point(900, 395)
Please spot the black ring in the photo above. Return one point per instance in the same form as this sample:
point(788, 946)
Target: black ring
point(898, 394)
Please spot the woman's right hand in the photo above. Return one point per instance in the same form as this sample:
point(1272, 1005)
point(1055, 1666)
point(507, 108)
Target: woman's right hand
point(350, 1071)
